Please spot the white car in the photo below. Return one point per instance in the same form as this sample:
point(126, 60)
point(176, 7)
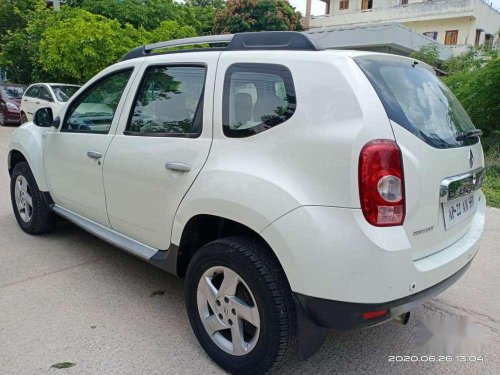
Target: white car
point(42, 95)
point(295, 189)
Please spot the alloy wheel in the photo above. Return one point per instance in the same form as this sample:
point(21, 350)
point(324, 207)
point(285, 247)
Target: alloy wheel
point(24, 201)
point(228, 311)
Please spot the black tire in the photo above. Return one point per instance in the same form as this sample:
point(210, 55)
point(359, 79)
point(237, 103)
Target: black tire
point(42, 219)
point(251, 260)
point(2, 119)
point(23, 118)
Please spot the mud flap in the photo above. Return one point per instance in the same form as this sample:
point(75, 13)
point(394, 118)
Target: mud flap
point(310, 336)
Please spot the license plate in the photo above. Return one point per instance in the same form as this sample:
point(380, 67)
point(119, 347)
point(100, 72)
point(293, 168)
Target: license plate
point(458, 210)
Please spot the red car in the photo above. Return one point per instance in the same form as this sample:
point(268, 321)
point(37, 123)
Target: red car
point(10, 103)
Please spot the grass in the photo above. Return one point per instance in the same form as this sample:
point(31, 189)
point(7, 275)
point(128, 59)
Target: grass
point(491, 188)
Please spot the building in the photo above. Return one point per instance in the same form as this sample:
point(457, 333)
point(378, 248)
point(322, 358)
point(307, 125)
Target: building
point(457, 24)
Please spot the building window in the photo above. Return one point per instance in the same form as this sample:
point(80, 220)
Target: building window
point(431, 34)
point(478, 37)
point(488, 41)
point(366, 4)
point(451, 37)
point(404, 2)
point(344, 4)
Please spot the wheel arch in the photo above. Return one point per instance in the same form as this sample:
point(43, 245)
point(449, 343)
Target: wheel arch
point(27, 145)
point(203, 228)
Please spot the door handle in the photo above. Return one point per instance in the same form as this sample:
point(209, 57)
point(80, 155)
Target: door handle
point(94, 154)
point(37, 102)
point(177, 166)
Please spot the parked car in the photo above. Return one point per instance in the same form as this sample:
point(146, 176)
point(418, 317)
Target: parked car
point(295, 189)
point(10, 101)
point(40, 95)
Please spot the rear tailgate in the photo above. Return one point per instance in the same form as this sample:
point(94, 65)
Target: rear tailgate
point(442, 171)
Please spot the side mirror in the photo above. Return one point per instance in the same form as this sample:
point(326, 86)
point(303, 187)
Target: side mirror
point(43, 117)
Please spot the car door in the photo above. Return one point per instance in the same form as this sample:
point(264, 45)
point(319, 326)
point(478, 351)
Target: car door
point(73, 155)
point(30, 100)
point(161, 144)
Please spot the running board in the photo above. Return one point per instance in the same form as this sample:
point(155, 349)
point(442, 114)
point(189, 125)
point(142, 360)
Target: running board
point(131, 246)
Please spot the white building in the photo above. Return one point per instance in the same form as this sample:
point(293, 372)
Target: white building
point(455, 23)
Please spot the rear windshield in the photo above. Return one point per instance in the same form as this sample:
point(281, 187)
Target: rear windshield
point(12, 92)
point(416, 99)
point(63, 93)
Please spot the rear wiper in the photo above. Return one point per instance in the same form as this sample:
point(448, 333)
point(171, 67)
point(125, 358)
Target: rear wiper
point(462, 136)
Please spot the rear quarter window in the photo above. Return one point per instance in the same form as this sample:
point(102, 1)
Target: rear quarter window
point(256, 97)
point(416, 99)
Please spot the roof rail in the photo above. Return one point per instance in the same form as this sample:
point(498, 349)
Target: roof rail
point(265, 40)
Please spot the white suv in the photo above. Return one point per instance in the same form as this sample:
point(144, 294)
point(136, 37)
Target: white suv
point(296, 189)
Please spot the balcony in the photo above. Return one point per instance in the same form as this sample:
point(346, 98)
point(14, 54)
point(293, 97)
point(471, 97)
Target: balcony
point(425, 10)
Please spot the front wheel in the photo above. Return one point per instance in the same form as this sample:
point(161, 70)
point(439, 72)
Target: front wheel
point(23, 118)
point(240, 306)
point(30, 208)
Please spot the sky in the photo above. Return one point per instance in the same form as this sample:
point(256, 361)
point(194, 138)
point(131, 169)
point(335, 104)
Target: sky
point(318, 6)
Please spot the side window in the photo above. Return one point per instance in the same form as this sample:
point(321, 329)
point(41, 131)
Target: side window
point(256, 97)
point(94, 109)
point(169, 102)
point(45, 94)
point(33, 91)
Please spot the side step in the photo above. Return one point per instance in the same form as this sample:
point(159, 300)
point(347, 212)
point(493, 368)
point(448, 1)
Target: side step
point(114, 238)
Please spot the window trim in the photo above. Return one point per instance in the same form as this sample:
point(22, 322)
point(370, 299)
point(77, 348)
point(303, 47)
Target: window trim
point(33, 86)
point(42, 87)
point(199, 109)
point(244, 133)
point(87, 89)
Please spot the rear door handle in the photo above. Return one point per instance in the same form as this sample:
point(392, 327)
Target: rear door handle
point(177, 166)
point(94, 154)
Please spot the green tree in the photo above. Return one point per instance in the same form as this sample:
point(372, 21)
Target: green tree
point(82, 44)
point(427, 53)
point(257, 15)
point(15, 14)
point(170, 30)
point(476, 85)
point(139, 13)
point(19, 48)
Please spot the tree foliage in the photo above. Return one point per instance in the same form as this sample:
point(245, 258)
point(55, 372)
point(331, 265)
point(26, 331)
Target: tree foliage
point(81, 44)
point(257, 15)
point(475, 81)
point(427, 53)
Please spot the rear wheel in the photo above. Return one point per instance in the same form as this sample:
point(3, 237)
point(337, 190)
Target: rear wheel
point(2, 119)
point(240, 305)
point(31, 210)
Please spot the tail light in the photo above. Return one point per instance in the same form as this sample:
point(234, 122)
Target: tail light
point(381, 183)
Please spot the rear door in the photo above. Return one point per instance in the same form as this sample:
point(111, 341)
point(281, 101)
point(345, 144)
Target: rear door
point(442, 171)
point(161, 144)
point(30, 101)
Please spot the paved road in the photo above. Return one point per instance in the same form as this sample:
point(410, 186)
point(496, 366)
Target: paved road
point(68, 296)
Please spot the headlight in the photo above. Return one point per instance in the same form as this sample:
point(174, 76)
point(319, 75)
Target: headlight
point(12, 107)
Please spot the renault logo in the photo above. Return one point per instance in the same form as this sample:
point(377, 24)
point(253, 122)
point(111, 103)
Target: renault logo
point(471, 159)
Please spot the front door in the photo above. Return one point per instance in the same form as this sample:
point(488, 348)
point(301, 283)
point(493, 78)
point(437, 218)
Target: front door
point(160, 146)
point(73, 156)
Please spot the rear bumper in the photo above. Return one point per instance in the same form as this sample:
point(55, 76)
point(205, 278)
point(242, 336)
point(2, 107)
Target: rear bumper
point(345, 316)
point(333, 254)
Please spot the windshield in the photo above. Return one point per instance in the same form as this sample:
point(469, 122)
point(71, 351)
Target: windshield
point(12, 92)
point(417, 100)
point(63, 93)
